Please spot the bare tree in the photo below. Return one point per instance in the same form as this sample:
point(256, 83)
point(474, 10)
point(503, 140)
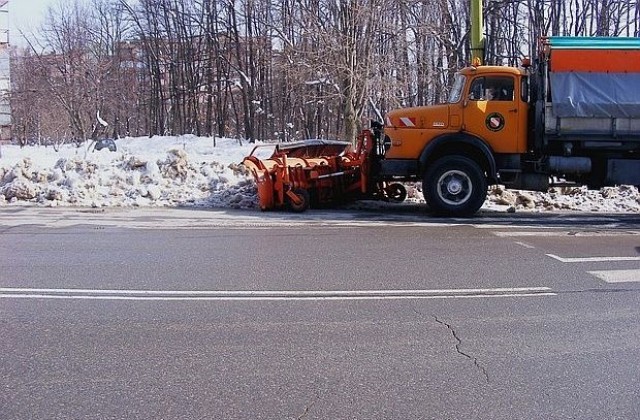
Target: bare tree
point(272, 69)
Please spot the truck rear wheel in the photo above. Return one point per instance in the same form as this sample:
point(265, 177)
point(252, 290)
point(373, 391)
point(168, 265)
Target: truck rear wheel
point(454, 186)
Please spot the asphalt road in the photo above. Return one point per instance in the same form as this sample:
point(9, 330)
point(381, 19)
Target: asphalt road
point(328, 315)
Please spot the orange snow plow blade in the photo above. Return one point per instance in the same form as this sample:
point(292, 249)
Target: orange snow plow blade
point(315, 172)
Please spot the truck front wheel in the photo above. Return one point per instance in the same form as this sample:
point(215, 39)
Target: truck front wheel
point(454, 186)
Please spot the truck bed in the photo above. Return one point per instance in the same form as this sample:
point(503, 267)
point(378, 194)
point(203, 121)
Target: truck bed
point(608, 128)
point(592, 90)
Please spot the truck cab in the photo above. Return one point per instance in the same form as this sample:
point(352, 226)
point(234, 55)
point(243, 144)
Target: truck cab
point(494, 107)
point(487, 104)
point(485, 119)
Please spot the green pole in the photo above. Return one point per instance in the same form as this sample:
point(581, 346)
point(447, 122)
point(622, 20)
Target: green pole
point(477, 32)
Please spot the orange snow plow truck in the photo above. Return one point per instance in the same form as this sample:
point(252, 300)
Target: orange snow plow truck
point(573, 117)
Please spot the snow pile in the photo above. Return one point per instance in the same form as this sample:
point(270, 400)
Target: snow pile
point(622, 199)
point(191, 171)
point(163, 171)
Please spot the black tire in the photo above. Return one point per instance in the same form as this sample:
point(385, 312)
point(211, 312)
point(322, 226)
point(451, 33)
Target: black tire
point(455, 186)
point(396, 193)
point(303, 195)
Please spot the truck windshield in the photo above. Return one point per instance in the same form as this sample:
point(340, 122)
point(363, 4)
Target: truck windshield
point(456, 88)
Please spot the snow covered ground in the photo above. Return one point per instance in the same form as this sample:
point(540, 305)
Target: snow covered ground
point(190, 171)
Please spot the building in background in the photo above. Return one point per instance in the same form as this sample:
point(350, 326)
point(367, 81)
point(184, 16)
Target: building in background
point(5, 85)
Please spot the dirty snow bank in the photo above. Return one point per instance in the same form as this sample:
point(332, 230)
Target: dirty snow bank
point(622, 199)
point(189, 170)
point(158, 171)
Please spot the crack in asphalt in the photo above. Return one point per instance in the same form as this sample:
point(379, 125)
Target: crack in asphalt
point(308, 408)
point(459, 344)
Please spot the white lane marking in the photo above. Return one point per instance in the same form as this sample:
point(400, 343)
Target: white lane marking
point(525, 245)
point(276, 292)
point(267, 298)
point(502, 234)
point(617, 276)
point(592, 259)
point(555, 233)
point(270, 295)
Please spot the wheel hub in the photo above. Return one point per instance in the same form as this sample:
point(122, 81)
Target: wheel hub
point(454, 186)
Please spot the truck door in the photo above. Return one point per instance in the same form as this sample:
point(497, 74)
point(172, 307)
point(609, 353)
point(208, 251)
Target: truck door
point(494, 112)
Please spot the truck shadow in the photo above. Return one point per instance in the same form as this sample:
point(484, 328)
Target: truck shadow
point(363, 212)
point(420, 213)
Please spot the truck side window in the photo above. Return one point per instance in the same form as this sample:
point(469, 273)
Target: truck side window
point(456, 89)
point(497, 88)
point(476, 91)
